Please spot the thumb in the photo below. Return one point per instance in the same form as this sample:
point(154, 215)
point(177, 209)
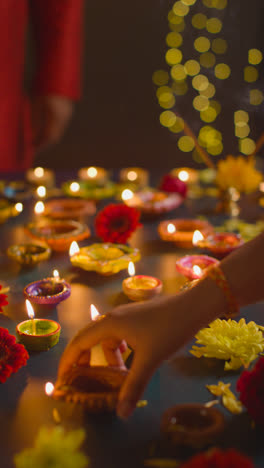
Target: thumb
point(134, 386)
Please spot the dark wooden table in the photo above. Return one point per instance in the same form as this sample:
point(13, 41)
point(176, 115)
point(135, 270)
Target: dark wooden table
point(24, 407)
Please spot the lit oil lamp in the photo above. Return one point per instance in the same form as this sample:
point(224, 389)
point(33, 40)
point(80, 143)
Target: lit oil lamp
point(95, 175)
point(48, 291)
point(37, 334)
point(69, 208)
point(29, 254)
point(219, 243)
point(152, 203)
point(41, 191)
point(194, 266)
point(75, 187)
point(140, 287)
point(17, 190)
point(49, 388)
point(136, 175)
point(39, 208)
point(88, 190)
point(181, 231)
point(40, 176)
point(186, 174)
point(97, 357)
point(8, 210)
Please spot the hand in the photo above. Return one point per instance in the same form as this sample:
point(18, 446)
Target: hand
point(154, 329)
point(50, 116)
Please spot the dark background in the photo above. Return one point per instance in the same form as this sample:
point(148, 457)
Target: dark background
point(117, 121)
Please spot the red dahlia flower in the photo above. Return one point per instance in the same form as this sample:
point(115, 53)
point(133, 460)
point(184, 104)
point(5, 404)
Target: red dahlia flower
point(250, 385)
point(12, 355)
point(171, 183)
point(3, 300)
point(116, 222)
point(219, 459)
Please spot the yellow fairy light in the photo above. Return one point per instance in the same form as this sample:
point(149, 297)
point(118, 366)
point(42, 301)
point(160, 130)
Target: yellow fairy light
point(207, 59)
point(202, 44)
point(250, 74)
point(214, 25)
point(219, 4)
point(208, 115)
point(160, 77)
point(178, 125)
point(178, 72)
point(174, 19)
point(188, 2)
point(192, 67)
point(186, 144)
point(242, 131)
point(167, 118)
point(219, 46)
point(222, 71)
point(209, 92)
point(180, 9)
point(173, 56)
point(200, 103)
point(199, 21)
point(179, 88)
point(166, 100)
point(241, 116)
point(163, 89)
point(174, 39)
point(255, 97)
point(247, 146)
point(177, 27)
point(200, 82)
point(216, 105)
point(215, 150)
point(255, 56)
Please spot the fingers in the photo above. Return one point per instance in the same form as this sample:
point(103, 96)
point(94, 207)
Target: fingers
point(134, 386)
point(112, 353)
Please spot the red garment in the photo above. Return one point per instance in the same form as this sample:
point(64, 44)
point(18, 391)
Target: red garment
point(57, 28)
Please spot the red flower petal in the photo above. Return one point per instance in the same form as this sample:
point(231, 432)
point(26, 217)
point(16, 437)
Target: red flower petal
point(116, 222)
point(170, 183)
point(250, 385)
point(12, 355)
point(219, 459)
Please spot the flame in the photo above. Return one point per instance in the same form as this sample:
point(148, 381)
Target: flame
point(197, 270)
point(131, 269)
point(39, 172)
point(127, 194)
point(41, 191)
point(74, 249)
point(75, 187)
point(92, 172)
point(56, 274)
point(49, 388)
point(30, 309)
point(19, 207)
point(94, 312)
point(171, 228)
point(132, 175)
point(39, 207)
point(183, 176)
point(197, 237)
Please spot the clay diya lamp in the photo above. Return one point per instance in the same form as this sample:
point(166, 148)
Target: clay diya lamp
point(40, 176)
point(88, 190)
point(152, 204)
point(194, 266)
point(37, 334)
point(135, 175)
point(140, 287)
point(181, 231)
point(104, 258)
point(69, 208)
point(186, 174)
point(193, 425)
point(17, 190)
point(58, 234)
point(95, 388)
point(48, 291)
point(95, 175)
point(9, 210)
point(29, 255)
point(220, 244)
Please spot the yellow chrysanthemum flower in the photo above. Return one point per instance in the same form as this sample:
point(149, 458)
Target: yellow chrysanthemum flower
point(238, 343)
point(238, 172)
point(229, 399)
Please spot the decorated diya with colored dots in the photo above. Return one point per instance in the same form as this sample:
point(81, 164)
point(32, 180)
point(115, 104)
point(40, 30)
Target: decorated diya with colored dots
point(95, 388)
point(154, 203)
point(220, 243)
point(192, 425)
point(105, 258)
point(194, 266)
point(48, 291)
point(58, 234)
point(181, 231)
point(88, 190)
point(29, 255)
point(69, 208)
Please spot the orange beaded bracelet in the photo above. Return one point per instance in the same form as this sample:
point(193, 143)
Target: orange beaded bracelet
point(217, 275)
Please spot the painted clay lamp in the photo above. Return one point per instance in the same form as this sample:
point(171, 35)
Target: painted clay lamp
point(94, 175)
point(37, 334)
point(104, 258)
point(69, 208)
point(181, 231)
point(29, 255)
point(194, 266)
point(87, 190)
point(135, 175)
point(48, 291)
point(140, 287)
point(40, 176)
point(219, 243)
point(152, 203)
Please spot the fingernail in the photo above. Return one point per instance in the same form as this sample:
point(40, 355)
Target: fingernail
point(124, 409)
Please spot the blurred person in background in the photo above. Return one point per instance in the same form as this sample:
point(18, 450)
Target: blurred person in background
point(30, 123)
